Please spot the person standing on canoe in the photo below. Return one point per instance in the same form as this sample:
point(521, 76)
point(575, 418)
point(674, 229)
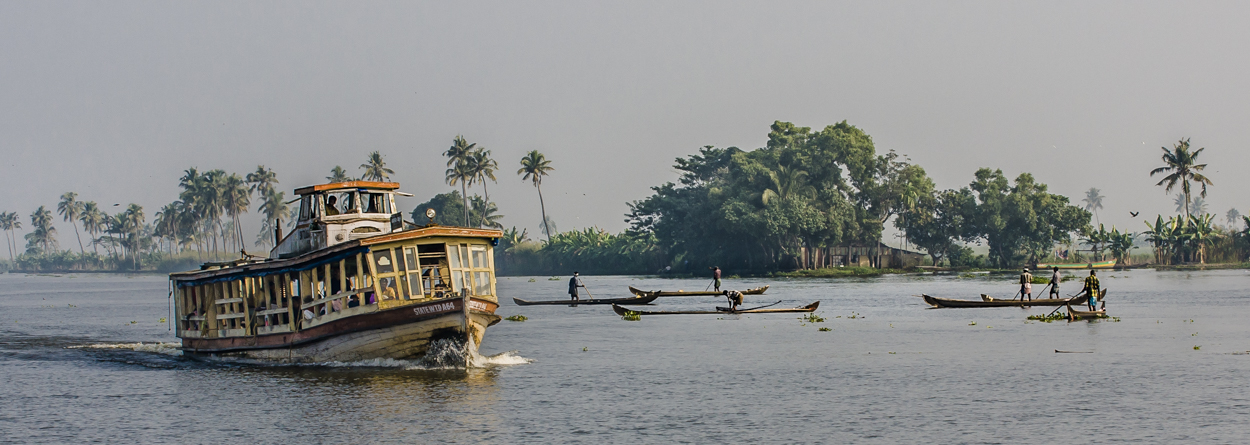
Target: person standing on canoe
point(1092, 289)
point(1054, 283)
point(575, 283)
point(716, 278)
point(1026, 284)
point(735, 299)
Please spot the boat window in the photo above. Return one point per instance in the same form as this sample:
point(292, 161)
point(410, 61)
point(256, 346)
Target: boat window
point(305, 208)
point(479, 257)
point(453, 257)
point(435, 271)
point(375, 202)
point(382, 260)
point(414, 273)
point(338, 203)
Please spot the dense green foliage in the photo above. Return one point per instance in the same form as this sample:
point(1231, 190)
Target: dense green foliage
point(754, 210)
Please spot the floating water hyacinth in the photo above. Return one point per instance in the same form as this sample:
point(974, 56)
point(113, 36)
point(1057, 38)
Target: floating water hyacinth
point(631, 316)
point(517, 317)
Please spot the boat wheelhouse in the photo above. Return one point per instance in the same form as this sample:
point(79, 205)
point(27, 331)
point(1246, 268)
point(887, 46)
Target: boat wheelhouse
point(352, 281)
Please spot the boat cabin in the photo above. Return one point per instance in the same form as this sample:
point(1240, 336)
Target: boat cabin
point(334, 213)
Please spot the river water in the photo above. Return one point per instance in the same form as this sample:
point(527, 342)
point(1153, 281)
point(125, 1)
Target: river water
point(87, 358)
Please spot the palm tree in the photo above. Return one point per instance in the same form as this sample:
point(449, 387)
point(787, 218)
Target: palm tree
point(9, 222)
point(786, 183)
point(483, 169)
point(69, 208)
point(1233, 217)
point(337, 174)
point(375, 168)
point(133, 218)
point(1158, 236)
point(1199, 206)
point(92, 221)
point(1093, 202)
point(462, 173)
point(461, 169)
point(1181, 203)
point(274, 207)
point(236, 200)
point(43, 234)
point(262, 180)
point(533, 167)
point(1201, 234)
point(488, 211)
point(1183, 167)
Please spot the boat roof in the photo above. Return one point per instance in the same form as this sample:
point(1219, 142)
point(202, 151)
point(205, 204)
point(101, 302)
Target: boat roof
point(347, 185)
point(333, 253)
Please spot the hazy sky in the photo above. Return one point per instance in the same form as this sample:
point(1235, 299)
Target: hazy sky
point(115, 99)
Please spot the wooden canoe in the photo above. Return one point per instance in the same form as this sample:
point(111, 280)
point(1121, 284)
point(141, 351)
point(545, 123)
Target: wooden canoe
point(1097, 265)
point(1074, 314)
point(947, 302)
point(695, 293)
point(625, 301)
point(720, 310)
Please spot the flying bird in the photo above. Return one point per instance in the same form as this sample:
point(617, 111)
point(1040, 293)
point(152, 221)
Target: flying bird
point(1133, 213)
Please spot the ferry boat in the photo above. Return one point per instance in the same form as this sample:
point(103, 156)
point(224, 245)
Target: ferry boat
point(353, 281)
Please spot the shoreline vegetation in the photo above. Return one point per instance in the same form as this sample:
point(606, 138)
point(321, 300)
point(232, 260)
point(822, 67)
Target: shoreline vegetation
point(810, 203)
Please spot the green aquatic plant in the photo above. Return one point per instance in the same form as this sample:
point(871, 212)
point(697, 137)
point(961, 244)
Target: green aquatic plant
point(1050, 317)
point(532, 280)
point(162, 319)
point(631, 316)
point(812, 318)
point(517, 317)
point(824, 329)
point(1196, 347)
point(972, 324)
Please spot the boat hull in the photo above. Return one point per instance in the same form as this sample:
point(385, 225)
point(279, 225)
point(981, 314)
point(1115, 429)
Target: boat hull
point(398, 333)
point(809, 308)
point(1096, 265)
point(622, 301)
point(1077, 315)
point(950, 303)
point(662, 293)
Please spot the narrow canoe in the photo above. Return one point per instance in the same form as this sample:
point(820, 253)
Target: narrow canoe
point(694, 293)
point(1098, 265)
point(719, 310)
point(626, 301)
point(947, 302)
point(1074, 314)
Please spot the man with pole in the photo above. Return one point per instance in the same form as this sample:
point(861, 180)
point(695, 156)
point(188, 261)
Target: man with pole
point(1092, 289)
point(1054, 283)
point(575, 283)
point(1026, 284)
point(716, 278)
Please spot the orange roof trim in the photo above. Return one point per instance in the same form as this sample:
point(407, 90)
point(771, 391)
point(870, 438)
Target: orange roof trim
point(347, 185)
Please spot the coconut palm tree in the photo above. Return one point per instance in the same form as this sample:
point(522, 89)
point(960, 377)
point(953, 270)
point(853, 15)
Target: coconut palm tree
point(133, 227)
point(69, 208)
point(236, 198)
point(1093, 202)
point(43, 235)
point(262, 180)
point(337, 174)
point(9, 222)
point(375, 168)
point(1199, 206)
point(488, 211)
point(462, 173)
point(461, 169)
point(1233, 217)
point(786, 183)
point(1182, 167)
point(483, 169)
point(274, 207)
point(92, 219)
point(533, 167)
point(1181, 203)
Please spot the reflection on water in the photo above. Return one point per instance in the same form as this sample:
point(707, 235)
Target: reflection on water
point(87, 359)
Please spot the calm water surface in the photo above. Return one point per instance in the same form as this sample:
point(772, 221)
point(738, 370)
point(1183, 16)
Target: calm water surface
point(81, 360)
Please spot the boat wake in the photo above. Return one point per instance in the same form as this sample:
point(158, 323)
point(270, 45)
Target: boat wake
point(174, 349)
point(444, 354)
